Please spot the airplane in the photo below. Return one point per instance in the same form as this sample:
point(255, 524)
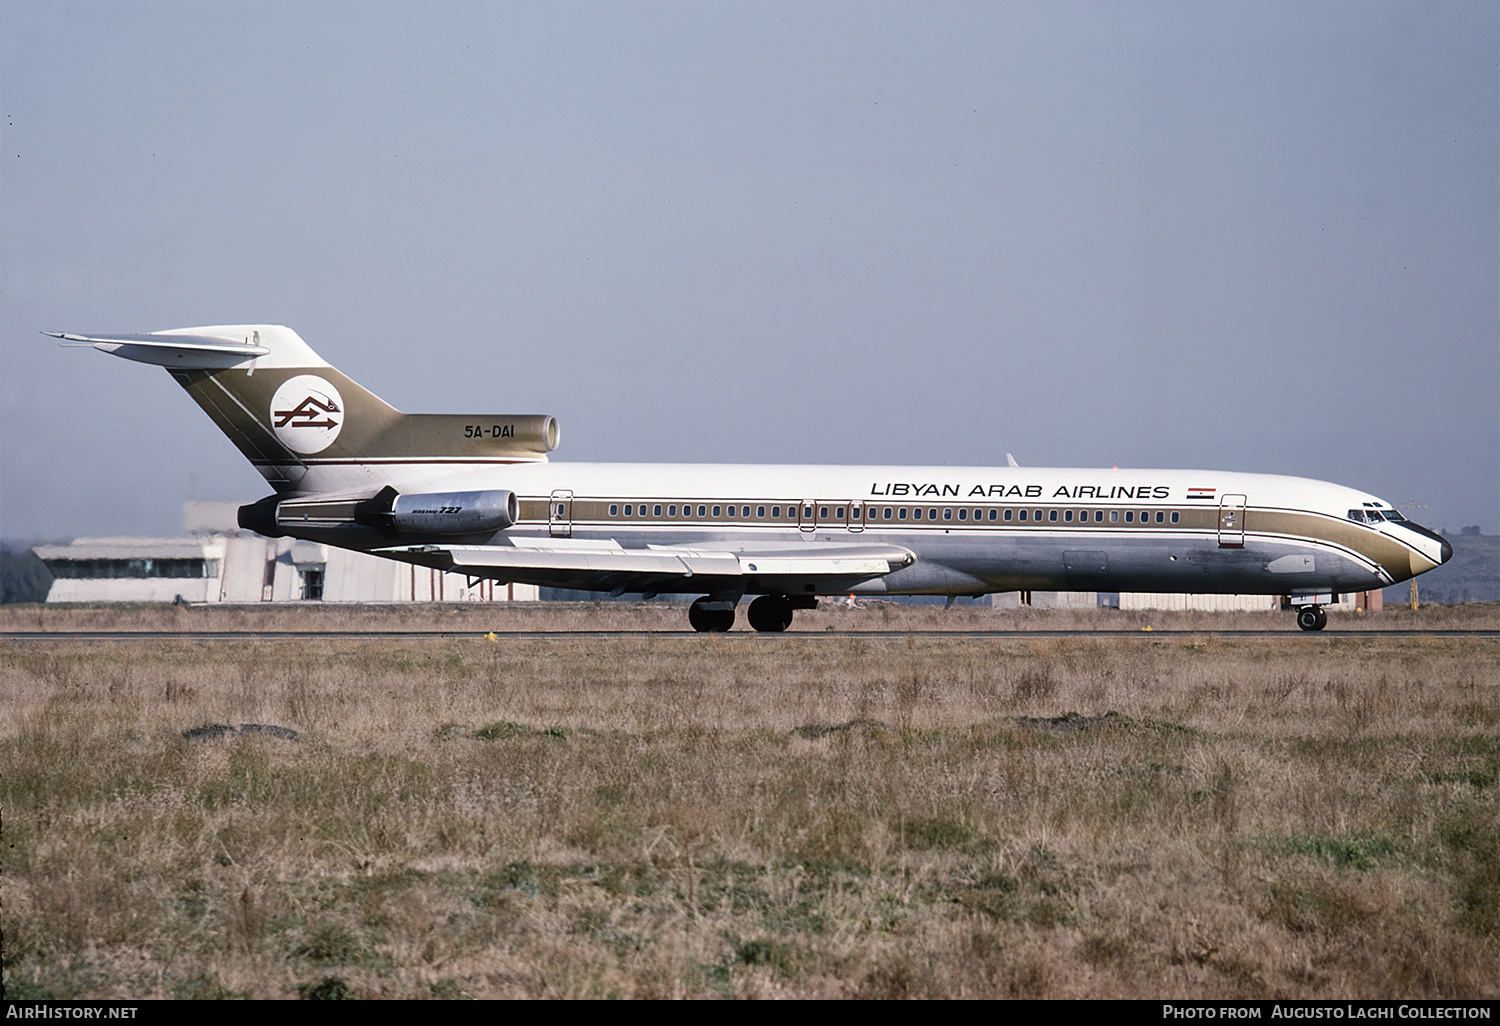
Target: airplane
point(477, 495)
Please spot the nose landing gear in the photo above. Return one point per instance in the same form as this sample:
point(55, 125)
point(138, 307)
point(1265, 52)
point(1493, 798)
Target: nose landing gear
point(1312, 618)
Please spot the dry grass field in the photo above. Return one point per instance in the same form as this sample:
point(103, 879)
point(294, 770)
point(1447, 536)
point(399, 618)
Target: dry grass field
point(665, 616)
point(739, 816)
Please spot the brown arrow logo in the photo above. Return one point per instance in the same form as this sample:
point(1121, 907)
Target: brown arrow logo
point(306, 414)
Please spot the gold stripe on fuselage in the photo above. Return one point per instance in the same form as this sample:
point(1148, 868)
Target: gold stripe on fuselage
point(1396, 559)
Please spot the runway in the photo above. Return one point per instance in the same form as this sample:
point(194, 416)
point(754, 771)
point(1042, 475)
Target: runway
point(33, 637)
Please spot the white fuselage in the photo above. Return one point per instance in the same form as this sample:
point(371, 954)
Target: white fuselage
point(971, 529)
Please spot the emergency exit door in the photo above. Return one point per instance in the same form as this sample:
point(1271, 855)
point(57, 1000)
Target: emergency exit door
point(560, 514)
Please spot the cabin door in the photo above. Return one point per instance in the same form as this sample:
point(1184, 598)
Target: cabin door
point(1232, 522)
point(856, 516)
point(560, 514)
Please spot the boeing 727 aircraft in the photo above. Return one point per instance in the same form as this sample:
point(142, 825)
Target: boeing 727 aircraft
point(477, 495)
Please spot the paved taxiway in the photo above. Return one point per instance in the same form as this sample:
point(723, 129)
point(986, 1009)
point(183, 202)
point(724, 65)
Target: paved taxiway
point(1328, 635)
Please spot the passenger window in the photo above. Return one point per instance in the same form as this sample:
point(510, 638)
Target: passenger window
point(1160, 516)
point(1098, 516)
point(760, 511)
point(627, 510)
point(1038, 515)
point(963, 514)
point(901, 514)
point(822, 512)
point(1067, 516)
point(656, 510)
point(916, 514)
point(932, 514)
point(1175, 516)
point(1023, 516)
point(1052, 516)
point(992, 514)
point(1130, 516)
point(885, 514)
point(1007, 515)
point(716, 511)
point(838, 512)
point(1114, 516)
point(807, 513)
point(702, 511)
point(614, 510)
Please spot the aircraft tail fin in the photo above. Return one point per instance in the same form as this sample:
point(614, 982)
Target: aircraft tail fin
point(299, 420)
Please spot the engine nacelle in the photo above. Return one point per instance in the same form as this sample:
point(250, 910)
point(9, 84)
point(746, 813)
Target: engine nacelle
point(455, 512)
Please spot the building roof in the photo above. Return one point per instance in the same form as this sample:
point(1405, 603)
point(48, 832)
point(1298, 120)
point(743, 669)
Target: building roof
point(126, 548)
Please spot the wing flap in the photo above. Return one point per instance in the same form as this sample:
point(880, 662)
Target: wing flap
point(607, 566)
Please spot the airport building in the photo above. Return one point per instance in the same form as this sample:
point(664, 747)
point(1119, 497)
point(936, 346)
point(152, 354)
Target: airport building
point(215, 561)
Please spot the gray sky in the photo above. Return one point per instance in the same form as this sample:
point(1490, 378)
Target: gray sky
point(1245, 237)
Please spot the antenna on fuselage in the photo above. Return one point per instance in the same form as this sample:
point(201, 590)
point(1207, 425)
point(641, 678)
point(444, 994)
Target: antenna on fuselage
point(1010, 461)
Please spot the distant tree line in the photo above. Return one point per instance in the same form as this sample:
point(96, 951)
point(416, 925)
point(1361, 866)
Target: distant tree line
point(23, 576)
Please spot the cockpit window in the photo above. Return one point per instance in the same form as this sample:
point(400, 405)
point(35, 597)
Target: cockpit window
point(1357, 515)
point(1373, 515)
point(1394, 516)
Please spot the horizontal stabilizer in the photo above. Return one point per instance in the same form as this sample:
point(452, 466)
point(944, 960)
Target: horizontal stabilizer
point(185, 352)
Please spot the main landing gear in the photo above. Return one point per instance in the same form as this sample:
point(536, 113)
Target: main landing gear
point(769, 614)
point(708, 614)
point(1312, 618)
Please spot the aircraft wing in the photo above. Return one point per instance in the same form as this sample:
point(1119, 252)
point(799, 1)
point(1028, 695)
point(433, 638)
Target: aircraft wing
point(604, 566)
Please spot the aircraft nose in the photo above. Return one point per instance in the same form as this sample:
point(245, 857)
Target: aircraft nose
point(1446, 553)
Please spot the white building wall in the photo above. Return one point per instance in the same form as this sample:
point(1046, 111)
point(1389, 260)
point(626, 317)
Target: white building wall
point(149, 589)
point(1202, 603)
point(248, 568)
point(1148, 600)
point(1047, 600)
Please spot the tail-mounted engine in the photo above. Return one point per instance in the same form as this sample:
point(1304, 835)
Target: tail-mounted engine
point(384, 517)
point(449, 513)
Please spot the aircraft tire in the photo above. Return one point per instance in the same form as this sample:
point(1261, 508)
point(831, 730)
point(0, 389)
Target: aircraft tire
point(1312, 618)
point(770, 614)
point(705, 619)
